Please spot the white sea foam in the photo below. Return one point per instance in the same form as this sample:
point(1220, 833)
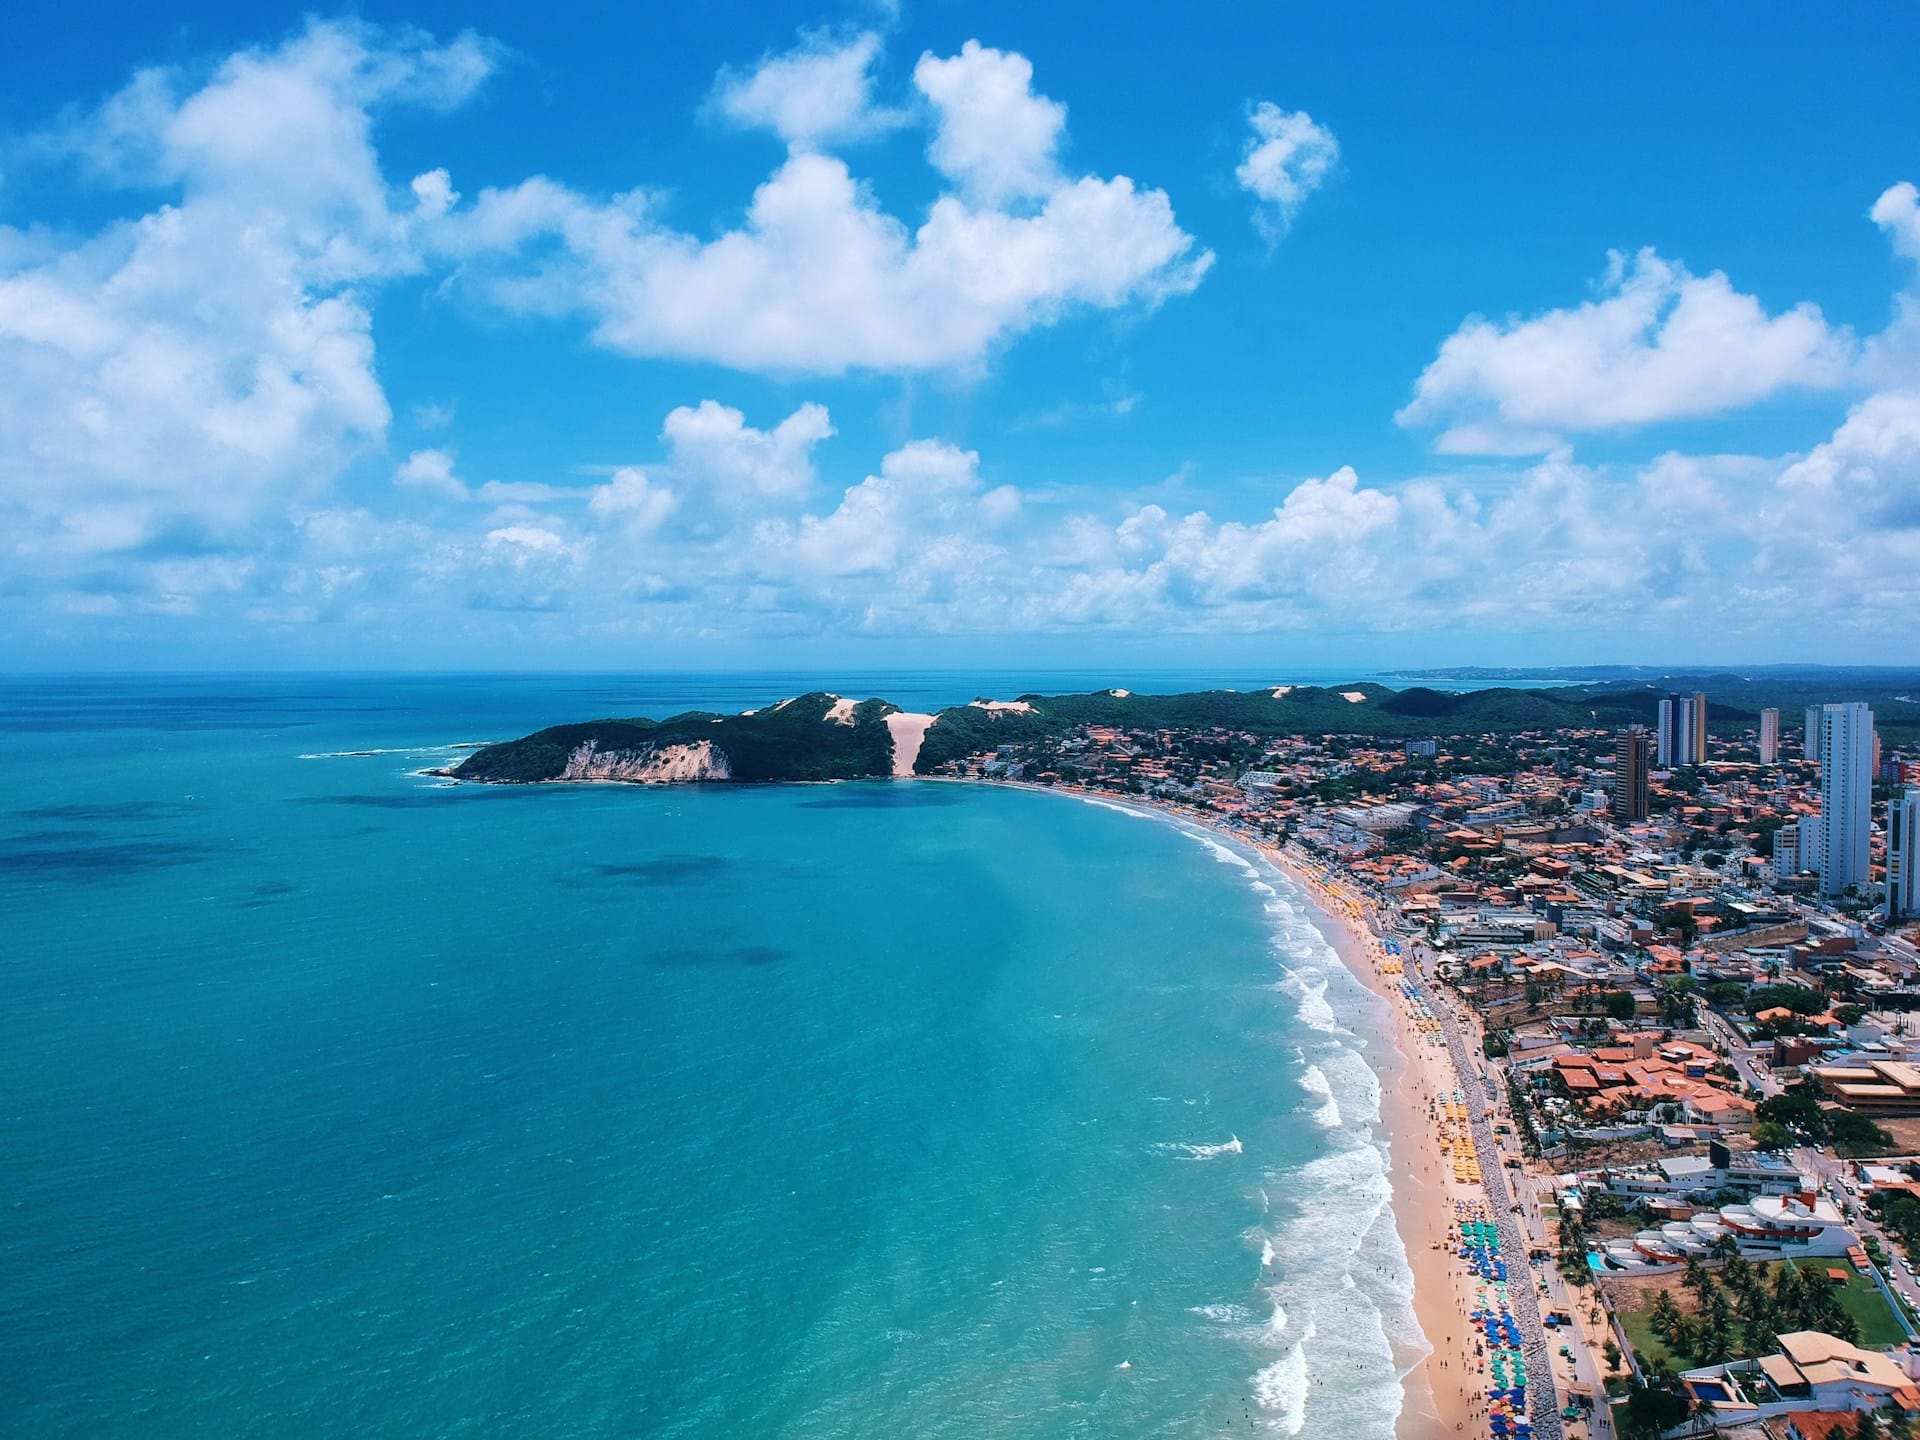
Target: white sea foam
point(1281, 1388)
point(1230, 1146)
point(1327, 1114)
point(395, 750)
point(1134, 811)
point(1221, 1314)
point(1341, 1329)
point(1224, 854)
point(1309, 988)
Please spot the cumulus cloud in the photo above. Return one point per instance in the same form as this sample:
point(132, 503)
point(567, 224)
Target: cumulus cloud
point(432, 471)
point(992, 133)
point(172, 376)
point(1286, 159)
point(1659, 344)
point(819, 279)
point(713, 447)
point(816, 94)
point(1897, 212)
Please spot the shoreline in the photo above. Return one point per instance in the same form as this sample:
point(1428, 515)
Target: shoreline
point(1441, 1390)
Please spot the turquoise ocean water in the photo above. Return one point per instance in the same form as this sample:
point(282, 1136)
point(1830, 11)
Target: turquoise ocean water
point(334, 1100)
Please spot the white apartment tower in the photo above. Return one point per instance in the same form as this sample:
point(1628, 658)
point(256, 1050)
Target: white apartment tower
point(1769, 736)
point(1813, 732)
point(1663, 736)
point(1903, 855)
point(1846, 795)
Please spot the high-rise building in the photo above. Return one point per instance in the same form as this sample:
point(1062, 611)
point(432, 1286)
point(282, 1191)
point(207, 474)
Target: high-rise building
point(1770, 736)
point(1846, 795)
point(1663, 735)
point(1813, 732)
point(1903, 855)
point(1630, 757)
point(1696, 729)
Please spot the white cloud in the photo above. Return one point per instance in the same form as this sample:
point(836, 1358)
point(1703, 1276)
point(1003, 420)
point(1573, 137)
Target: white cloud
point(1287, 158)
point(173, 377)
point(712, 446)
point(922, 492)
point(431, 470)
point(633, 501)
point(1660, 344)
point(814, 95)
point(992, 133)
point(819, 279)
point(1897, 212)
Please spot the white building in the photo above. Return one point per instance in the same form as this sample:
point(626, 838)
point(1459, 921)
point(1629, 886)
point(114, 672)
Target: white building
point(1769, 736)
point(1846, 796)
point(1769, 1227)
point(1903, 855)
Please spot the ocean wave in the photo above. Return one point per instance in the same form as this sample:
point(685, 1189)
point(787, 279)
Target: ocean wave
point(1135, 812)
point(1230, 1146)
point(1225, 854)
point(1281, 1388)
point(396, 750)
point(1327, 1114)
point(1309, 989)
point(1222, 1314)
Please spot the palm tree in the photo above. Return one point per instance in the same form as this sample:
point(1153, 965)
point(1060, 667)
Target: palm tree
point(1697, 1279)
point(1664, 1314)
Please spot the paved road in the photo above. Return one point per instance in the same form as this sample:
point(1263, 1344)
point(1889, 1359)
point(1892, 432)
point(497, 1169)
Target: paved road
point(1752, 1069)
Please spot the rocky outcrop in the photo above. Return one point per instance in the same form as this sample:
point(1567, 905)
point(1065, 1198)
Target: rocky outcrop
point(648, 764)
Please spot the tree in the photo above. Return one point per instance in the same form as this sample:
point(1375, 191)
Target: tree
point(1613, 1356)
point(1770, 1135)
point(1866, 1427)
point(1680, 920)
point(1619, 1004)
point(1684, 1339)
point(1665, 1314)
point(1650, 1410)
point(1716, 1339)
point(1698, 1280)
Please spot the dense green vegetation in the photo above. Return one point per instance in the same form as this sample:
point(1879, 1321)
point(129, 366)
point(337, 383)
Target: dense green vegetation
point(1741, 1309)
point(794, 742)
point(1849, 1132)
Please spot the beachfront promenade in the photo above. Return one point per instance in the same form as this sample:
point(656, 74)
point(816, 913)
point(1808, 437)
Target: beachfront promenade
point(1542, 1399)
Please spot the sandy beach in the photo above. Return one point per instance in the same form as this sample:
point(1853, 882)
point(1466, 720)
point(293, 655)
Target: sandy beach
point(1444, 1391)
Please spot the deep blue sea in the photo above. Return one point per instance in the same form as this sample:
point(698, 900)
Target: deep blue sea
point(335, 1100)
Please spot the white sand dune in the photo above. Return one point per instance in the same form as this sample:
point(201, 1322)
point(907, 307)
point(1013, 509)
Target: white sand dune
point(908, 731)
point(1353, 697)
point(841, 712)
point(1017, 707)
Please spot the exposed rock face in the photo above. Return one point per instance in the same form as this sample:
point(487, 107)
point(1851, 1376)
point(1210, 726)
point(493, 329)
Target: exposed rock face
point(648, 765)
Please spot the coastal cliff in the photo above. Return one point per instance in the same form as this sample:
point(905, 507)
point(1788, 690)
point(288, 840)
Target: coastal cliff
point(648, 765)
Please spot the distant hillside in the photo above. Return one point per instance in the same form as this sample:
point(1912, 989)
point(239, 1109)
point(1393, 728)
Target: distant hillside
point(821, 737)
point(812, 737)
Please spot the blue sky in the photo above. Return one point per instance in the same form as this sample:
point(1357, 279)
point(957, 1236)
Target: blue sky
point(721, 335)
